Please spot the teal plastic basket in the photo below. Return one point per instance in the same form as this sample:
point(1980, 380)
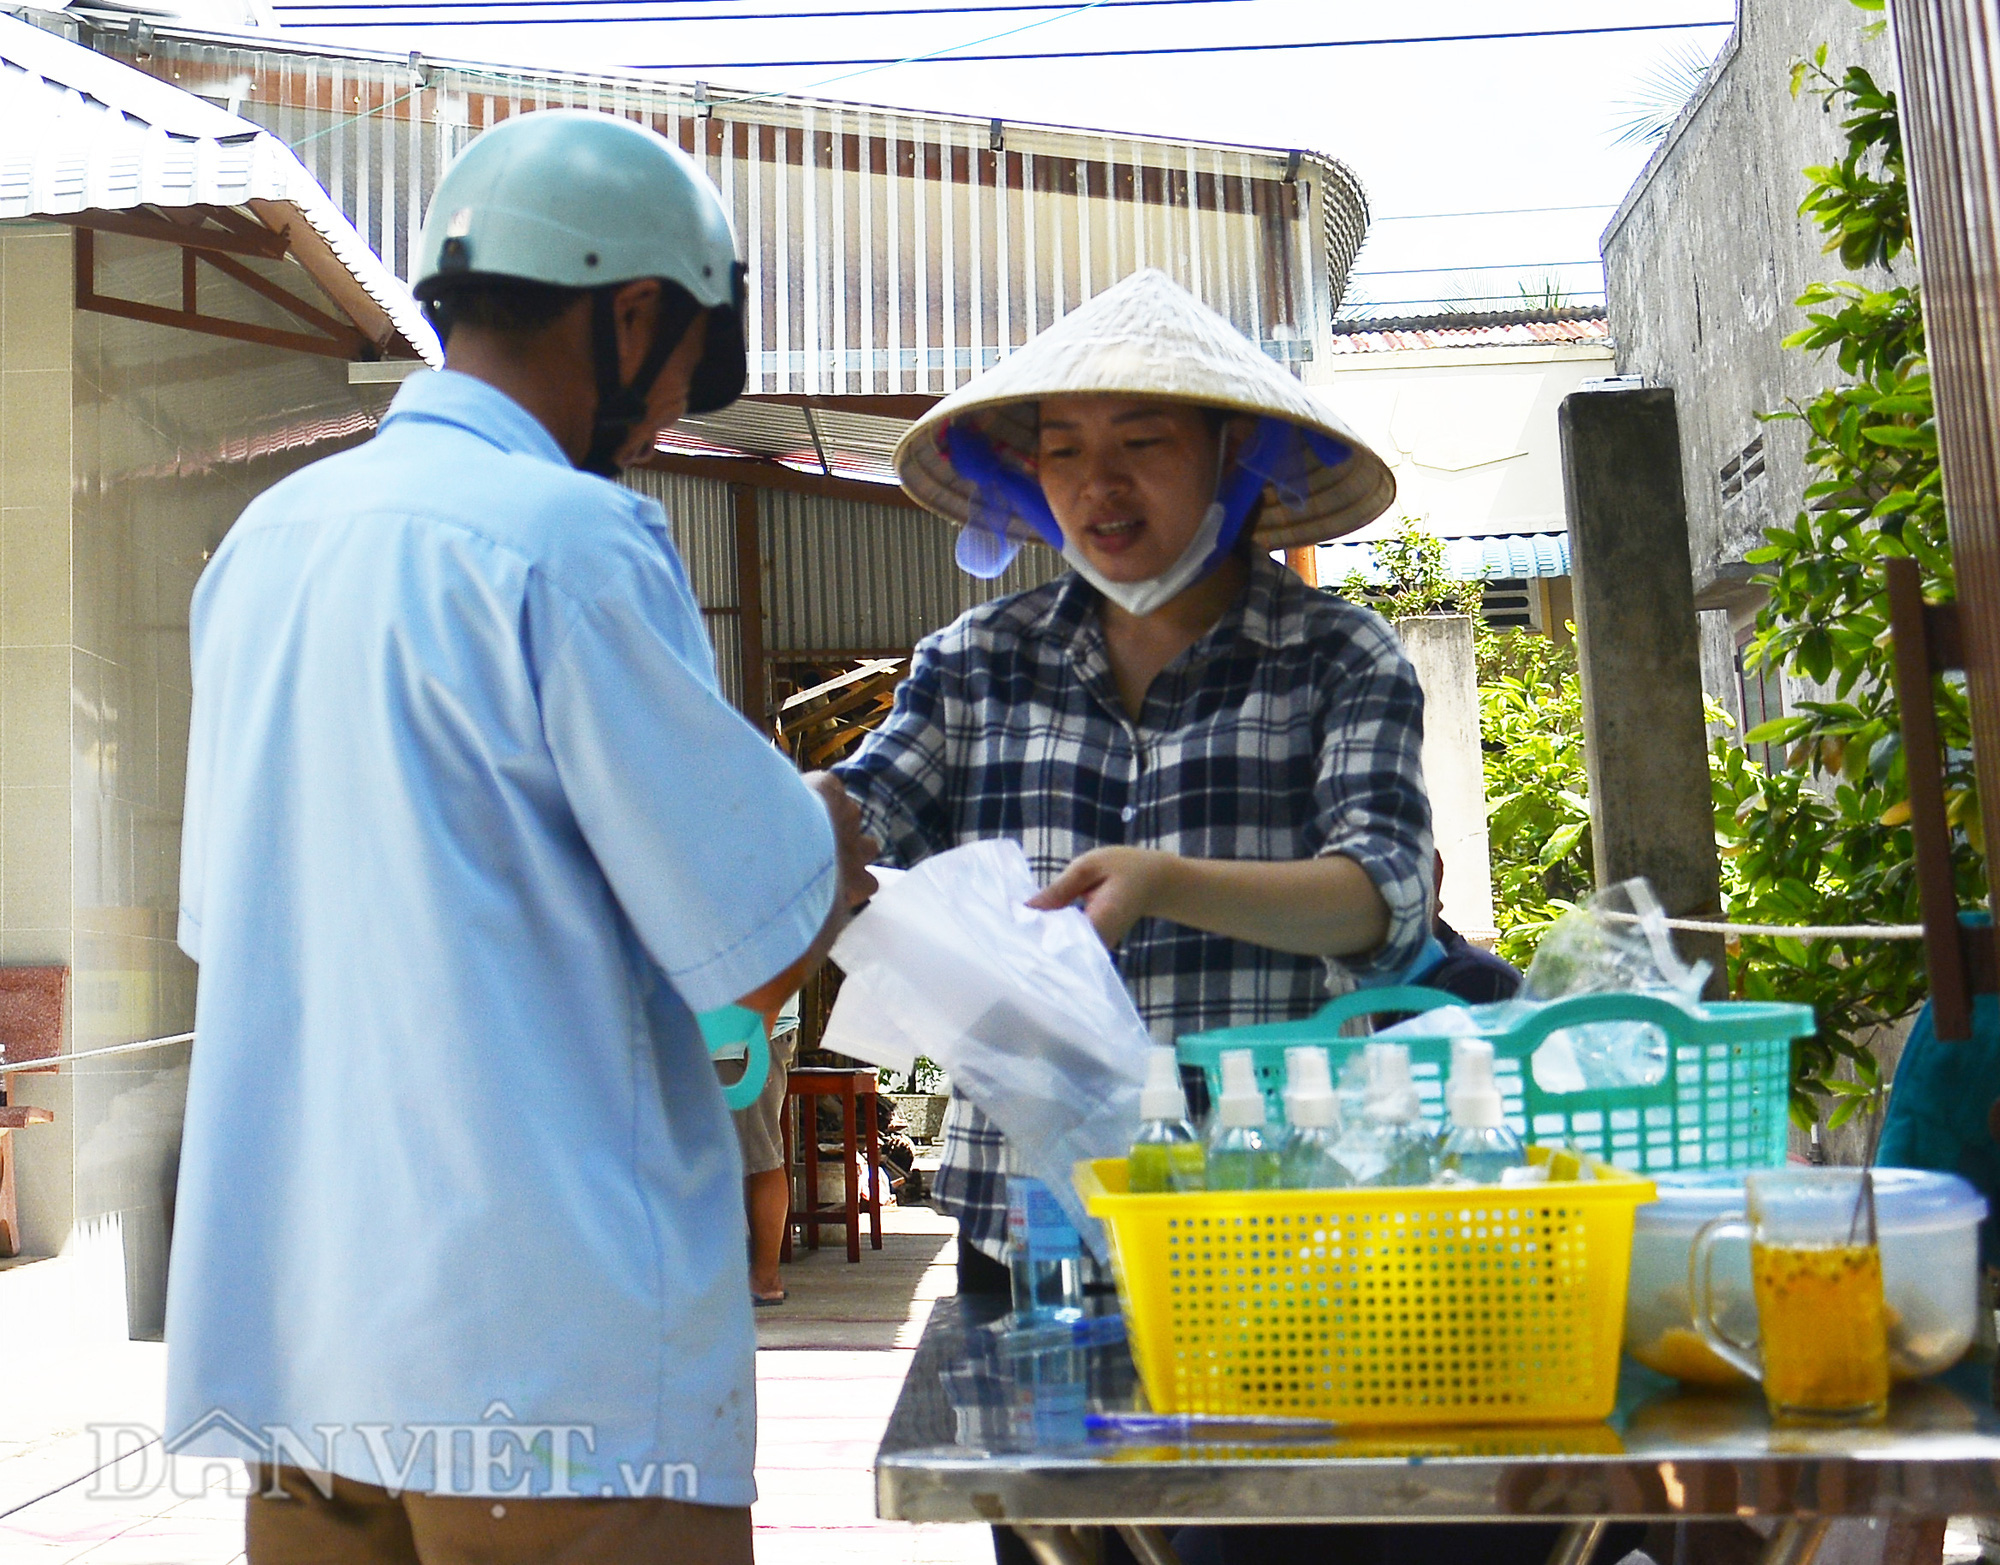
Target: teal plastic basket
point(1723, 1103)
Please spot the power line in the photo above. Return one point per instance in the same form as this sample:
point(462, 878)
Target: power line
point(1488, 266)
point(1115, 54)
point(1211, 48)
point(1526, 301)
point(1512, 211)
point(734, 16)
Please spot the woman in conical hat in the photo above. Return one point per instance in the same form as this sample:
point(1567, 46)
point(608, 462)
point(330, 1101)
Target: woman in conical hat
point(1216, 761)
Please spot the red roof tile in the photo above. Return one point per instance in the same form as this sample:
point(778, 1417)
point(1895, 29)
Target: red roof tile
point(1499, 330)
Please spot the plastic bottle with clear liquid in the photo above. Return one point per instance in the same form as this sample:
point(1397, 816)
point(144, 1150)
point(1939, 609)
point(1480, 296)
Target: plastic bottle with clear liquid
point(1166, 1155)
point(1408, 1152)
point(1479, 1147)
point(1360, 1146)
point(1241, 1156)
point(1044, 1252)
point(1308, 1158)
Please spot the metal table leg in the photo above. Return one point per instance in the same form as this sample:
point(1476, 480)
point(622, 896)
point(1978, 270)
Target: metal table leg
point(1578, 1541)
point(1149, 1545)
point(1797, 1541)
point(1053, 1545)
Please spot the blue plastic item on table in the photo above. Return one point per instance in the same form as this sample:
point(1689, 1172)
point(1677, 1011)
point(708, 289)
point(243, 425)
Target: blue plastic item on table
point(1723, 1103)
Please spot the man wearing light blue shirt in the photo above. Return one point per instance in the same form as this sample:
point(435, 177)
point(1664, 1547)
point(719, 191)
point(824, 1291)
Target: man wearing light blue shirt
point(471, 836)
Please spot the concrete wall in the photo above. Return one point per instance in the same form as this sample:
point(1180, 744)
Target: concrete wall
point(1470, 433)
point(1441, 648)
point(129, 450)
point(1702, 265)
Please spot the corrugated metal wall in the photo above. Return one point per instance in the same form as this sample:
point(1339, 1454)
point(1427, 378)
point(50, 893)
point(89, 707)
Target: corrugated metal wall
point(839, 575)
point(702, 516)
point(888, 252)
point(845, 576)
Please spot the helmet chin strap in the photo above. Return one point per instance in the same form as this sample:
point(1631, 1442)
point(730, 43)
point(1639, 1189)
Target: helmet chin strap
point(621, 405)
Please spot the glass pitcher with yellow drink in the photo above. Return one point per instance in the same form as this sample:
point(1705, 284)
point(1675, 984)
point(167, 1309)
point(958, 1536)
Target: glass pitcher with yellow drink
point(1822, 1349)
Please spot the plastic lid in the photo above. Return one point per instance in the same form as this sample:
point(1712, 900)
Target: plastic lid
point(1392, 1092)
point(1309, 1098)
point(1906, 1199)
point(1472, 1095)
point(1241, 1104)
point(1162, 1097)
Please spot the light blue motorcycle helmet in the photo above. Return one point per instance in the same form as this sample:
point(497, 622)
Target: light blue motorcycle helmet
point(572, 199)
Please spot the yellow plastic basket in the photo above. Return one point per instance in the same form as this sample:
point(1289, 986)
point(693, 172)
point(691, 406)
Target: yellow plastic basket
point(1421, 1306)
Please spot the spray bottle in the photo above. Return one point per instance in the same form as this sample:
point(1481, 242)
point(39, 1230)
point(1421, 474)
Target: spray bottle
point(1479, 1147)
point(1240, 1156)
point(1408, 1153)
point(1308, 1159)
point(1167, 1155)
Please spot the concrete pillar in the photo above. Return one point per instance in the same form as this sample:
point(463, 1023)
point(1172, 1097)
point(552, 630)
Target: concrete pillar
point(1639, 647)
point(1441, 647)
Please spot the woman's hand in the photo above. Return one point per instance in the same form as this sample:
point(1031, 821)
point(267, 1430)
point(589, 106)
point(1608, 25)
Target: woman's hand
point(1116, 887)
point(1314, 907)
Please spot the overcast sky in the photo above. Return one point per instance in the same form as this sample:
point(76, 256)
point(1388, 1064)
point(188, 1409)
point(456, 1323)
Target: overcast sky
point(1451, 127)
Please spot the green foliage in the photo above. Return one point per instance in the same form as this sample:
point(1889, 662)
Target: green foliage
point(925, 1076)
point(1537, 804)
point(1657, 98)
point(1548, 294)
point(1414, 578)
point(1861, 202)
point(1826, 840)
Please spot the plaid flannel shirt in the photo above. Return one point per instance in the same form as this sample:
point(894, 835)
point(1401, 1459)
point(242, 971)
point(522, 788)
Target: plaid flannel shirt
point(1292, 730)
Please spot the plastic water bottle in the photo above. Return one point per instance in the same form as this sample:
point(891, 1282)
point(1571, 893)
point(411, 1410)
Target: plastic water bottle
point(1309, 1159)
point(1044, 1254)
point(1408, 1154)
point(1479, 1147)
point(1240, 1156)
point(1167, 1155)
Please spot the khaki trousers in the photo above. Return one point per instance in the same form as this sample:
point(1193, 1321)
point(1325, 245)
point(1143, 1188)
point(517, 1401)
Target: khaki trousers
point(360, 1524)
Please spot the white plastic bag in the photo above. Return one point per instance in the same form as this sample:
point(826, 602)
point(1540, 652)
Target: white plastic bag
point(1617, 942)
point(1021, 1008)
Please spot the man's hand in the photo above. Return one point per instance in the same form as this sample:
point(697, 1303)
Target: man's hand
point(856, 849)
point(1116, 887)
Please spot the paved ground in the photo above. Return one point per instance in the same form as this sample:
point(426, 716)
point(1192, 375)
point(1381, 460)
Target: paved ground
point(829, 1364)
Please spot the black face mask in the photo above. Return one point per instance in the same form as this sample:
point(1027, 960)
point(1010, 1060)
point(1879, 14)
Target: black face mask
point(718, 379)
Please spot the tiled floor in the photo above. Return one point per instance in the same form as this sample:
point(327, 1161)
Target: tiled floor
point(829, 1365)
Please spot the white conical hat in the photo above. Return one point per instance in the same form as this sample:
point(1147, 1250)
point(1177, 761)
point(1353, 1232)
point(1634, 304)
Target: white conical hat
point(1148, 337)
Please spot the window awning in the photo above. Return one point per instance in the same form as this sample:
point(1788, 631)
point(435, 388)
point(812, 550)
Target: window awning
point(1501, 557)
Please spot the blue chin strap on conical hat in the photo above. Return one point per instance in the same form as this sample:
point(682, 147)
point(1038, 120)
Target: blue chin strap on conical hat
point(971, 458)
point(1275, 458)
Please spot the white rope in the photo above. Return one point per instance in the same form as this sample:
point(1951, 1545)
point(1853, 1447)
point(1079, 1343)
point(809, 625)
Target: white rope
point(1706, 926)
point(58, 1061)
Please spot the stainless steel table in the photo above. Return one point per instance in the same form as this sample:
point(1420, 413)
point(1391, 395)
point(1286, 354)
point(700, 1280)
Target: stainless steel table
point(979, 1437)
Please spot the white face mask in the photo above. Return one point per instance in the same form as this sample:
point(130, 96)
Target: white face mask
point(1142, 597)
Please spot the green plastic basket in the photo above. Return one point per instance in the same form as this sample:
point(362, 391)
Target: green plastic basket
point(1723, 1103)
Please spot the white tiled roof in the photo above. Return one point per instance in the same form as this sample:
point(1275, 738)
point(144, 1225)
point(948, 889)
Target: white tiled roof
point(80, 132)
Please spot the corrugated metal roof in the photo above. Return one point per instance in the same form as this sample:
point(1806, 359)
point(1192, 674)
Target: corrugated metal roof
point(853, 445)
point(889, 250)
point(1503, 557)
point(1473, 331)
point(80, 132)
